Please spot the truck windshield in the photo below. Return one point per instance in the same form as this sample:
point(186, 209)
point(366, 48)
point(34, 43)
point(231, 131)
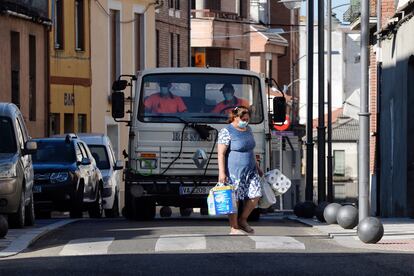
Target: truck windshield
point(8, 142)
point(209, 98)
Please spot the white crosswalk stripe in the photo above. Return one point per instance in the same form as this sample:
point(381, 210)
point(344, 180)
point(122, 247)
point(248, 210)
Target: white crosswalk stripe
point(277, 242)
point(91, 246)
point(181, 242)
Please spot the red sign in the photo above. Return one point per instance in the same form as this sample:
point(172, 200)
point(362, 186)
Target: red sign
point(284, 126)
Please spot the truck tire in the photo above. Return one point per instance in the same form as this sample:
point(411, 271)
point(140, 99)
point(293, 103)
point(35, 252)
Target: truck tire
point(186, 212)
point(30, 213)
point(143, 209)
point(16, 220)
point(114, 211)
point(96, 208)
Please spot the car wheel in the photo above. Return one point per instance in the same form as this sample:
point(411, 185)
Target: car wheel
point(96, 209)
point(30, 213)
point(114, 212)
point(16, 220)
point(76, 210)
point(144, 209)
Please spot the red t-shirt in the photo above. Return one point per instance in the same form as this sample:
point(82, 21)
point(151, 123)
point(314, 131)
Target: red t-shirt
point(170, 104)
point(220, 107)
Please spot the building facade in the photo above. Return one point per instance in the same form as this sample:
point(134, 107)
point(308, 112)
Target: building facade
point(220, 33)
point(70, 67)
point(172, 33)
point(122, 43)
point(24, 57)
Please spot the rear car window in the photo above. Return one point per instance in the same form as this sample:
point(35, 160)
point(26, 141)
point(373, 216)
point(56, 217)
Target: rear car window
point(54, 152)
point(100, 155)
point(7, 138)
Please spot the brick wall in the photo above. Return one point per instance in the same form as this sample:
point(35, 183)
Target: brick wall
point(171, 20)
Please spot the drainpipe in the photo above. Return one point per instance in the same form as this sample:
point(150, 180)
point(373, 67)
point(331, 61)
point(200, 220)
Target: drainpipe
point(377, 133)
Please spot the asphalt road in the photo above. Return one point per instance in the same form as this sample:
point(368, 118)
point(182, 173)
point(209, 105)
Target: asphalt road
point(197, 246)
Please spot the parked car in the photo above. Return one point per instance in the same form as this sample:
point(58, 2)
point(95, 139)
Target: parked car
point(16, 170)
point(103, 153)
point(66, 178)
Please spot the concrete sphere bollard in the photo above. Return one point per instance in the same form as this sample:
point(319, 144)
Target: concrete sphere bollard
point(165, 212)
point(4, 226)
point(308, 209)
point(347, 217)
point(319, 211)
point(330, 213)
point(298, 209)
point(370, 230)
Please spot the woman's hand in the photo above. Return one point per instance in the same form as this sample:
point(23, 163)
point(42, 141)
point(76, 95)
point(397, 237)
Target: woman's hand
point(222, 178)
point(259, 170)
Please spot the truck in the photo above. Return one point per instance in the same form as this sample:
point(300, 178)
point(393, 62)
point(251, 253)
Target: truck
point(172, 149)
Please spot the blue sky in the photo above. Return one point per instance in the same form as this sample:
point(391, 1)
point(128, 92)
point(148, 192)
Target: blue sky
point(339, 11)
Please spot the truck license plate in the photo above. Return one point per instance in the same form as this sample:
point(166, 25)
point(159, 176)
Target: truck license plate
point(37, 189)
point(202, 190)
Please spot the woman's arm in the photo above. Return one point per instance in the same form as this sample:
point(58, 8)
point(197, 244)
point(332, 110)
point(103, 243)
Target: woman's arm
point(221, 154)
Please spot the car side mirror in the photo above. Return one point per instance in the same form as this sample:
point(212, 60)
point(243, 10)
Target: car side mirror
point(30, 147)
point(118, 105)
point(279, 109)
point(85, 161)
point(119, 165)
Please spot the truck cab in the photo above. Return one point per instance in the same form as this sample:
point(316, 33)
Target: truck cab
point(174, 123)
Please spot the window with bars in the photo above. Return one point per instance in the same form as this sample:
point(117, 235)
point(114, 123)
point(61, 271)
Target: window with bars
point(79, 25)
point(339, 162)
point(58, 24)
point(15, 67)
point(32, 78)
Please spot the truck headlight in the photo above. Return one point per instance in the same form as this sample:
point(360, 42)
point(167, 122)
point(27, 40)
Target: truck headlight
point(59, 177)
point(148, 164)
point(8, 170)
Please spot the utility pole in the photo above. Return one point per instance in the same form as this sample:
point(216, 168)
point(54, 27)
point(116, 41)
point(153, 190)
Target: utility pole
point(309, 102)
point(363, 151)
point(329, 87)
point(321, 102)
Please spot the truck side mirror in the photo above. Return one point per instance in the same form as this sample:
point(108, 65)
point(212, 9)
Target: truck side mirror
point(279, 109)
point(119, 85)
point(118, 105)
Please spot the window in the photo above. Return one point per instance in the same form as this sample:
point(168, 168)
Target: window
point(339, 162)
point(84, 151)
point(58, 24)
point(157, 42)
point(101, 157)
point(171, 4)
point(82, 123)
point(171, 49)
point(177, 4)
point(19, 135)
point(15, 67)
point(139, 42)
point(242, 64)
point(79, 25)
point(79, 155)
point(8, 142)
point(115, 47)
point(54, 152)
point(178, 50)
point(68, 127)
point(54, 127)
point(32, 78)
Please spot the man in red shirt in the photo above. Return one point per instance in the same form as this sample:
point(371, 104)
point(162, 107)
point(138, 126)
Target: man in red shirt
point(230, 101)
point(164, 101)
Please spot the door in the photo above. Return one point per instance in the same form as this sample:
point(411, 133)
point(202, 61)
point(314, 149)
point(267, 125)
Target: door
point(91, 170)
point(26, 160)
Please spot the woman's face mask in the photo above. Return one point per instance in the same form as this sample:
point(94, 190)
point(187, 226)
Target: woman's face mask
point(243, 124)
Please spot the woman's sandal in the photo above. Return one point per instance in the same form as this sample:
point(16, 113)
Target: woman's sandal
point(246, 228)
point(237, 232)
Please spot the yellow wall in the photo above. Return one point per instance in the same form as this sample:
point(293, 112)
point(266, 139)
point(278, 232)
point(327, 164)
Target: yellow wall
point(70, 69)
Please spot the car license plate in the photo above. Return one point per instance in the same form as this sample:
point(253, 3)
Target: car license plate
point(202, 190)
point(37, 189)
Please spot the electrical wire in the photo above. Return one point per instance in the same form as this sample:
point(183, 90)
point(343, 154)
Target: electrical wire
point(124, 21)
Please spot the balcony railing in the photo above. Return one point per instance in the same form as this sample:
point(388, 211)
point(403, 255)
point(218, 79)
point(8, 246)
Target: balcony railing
point(215, 14)
point(353, 13)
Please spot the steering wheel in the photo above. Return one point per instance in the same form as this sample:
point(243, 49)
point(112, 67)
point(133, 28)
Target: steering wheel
point(226, 108)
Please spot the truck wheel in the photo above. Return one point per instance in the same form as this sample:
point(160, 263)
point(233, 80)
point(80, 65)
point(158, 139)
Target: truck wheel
point(16, 220)
point(144, 209)
point(165, 212)
point(186, 212)
point(30, 213)
point(114, 211)
point(96, 209)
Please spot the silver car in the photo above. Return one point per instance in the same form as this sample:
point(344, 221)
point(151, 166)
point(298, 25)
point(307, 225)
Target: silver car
point(111, 169)
point(16, 169)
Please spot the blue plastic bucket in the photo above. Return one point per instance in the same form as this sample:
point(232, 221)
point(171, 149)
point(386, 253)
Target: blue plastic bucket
point(224, 200)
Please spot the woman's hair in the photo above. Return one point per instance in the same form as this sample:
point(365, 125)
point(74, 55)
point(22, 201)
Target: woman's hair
point(238, 112)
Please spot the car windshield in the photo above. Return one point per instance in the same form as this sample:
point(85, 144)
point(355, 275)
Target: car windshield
point(100, 155)
point(57, 151)
point(189, 97)
point(8, 141)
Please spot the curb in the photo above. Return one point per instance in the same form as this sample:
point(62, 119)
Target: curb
point(27, 239)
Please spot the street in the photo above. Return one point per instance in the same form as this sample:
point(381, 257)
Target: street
point(196, 246)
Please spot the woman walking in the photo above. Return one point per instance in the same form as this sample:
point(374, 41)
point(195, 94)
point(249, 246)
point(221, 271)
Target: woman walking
point(238, 166)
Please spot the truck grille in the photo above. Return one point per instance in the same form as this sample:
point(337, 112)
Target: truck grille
point(186, 162)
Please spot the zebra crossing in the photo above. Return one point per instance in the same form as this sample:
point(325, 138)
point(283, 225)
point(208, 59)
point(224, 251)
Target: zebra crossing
point(185, 243)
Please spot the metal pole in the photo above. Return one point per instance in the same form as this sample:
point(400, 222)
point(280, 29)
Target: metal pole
point(281, 168)
point(363, 176)
point(309, 102)
point(329, 87)
point(321, 103)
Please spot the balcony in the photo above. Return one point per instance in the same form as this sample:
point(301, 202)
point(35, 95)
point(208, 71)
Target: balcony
point(217, 29)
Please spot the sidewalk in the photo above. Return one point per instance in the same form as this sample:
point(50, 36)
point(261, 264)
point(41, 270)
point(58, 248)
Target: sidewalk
point(398, 234)
point(18, 240)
